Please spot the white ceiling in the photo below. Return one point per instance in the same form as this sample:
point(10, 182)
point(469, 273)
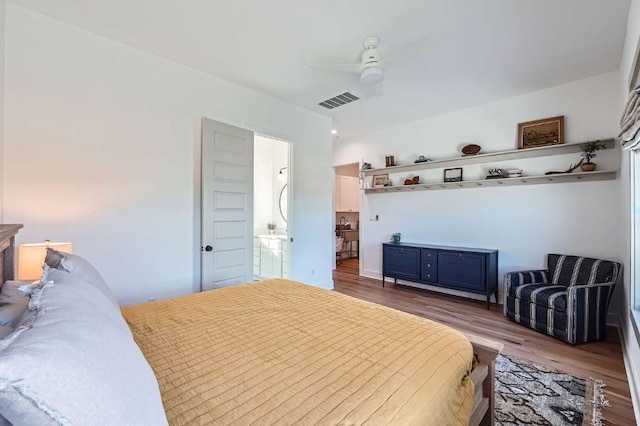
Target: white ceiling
point(469, 51)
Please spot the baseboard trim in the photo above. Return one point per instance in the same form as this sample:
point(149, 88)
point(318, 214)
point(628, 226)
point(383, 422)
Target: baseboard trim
point(631, 373)
point(327, 285)
point(612, 318)
point(371, 274)
point(378, 276)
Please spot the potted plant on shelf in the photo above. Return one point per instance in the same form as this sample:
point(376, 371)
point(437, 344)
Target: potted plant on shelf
point(589, 150)
point(271, 227)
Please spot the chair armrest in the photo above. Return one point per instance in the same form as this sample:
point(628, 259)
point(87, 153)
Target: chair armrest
point(526, 277)
point(587, 307)
point(582, 293)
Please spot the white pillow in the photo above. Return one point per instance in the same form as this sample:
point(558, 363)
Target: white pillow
point(70, 363)
point(79, 266)
point(81, 293)
point(28, 289)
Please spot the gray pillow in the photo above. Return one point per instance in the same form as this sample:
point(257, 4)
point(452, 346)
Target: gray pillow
point(72, 363)
point(10, 292)
point(53, 258)
point(10, 313)
point(5, 330)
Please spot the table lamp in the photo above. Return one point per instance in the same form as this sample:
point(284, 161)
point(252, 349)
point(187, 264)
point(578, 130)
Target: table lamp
point(31, 257)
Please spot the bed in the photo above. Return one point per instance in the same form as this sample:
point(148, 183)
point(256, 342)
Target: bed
point(280, 352)
point(271, 352)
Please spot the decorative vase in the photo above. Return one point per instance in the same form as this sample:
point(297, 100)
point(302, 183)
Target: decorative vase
point(395, 238)
point(588, 167)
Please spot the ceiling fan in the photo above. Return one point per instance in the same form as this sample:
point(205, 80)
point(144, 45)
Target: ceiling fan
point(371, 67)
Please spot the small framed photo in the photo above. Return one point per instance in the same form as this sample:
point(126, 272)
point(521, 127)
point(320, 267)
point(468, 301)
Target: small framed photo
point(453, 175)
point(380, 181)
point(548, 131)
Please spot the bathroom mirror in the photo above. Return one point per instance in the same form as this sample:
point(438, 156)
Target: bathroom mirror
point(283, 202)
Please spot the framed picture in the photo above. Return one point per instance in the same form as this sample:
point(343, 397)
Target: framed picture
point(380, 180)
point(453, 175)
point(548, 131)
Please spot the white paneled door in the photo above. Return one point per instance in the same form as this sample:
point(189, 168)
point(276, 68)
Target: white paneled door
point(227, 205)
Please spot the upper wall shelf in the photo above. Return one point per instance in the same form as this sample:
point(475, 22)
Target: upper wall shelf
point(489, 157)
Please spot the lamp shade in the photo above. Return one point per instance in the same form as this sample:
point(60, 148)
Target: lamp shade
point(31, 257)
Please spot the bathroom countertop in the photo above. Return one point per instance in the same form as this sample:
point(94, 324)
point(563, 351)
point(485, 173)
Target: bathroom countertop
point(272, 236)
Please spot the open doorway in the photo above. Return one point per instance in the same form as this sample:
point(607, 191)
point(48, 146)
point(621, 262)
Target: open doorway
point(270, 203)
point(346, 202)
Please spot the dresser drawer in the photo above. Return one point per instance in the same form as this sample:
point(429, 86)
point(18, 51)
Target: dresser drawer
point(401, 262)
point(429, 254)
point(429, 265)
point(464, 271)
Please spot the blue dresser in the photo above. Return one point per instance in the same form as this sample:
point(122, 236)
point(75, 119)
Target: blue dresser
point(466, 269)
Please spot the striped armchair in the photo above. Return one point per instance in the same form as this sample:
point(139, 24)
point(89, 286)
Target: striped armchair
point(568, 301)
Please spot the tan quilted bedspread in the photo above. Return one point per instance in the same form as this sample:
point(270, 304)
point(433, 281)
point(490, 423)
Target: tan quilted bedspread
point(280, 352)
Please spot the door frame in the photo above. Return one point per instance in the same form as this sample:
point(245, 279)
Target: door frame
point(197, 191)
point(290, 192)
point(360, 202)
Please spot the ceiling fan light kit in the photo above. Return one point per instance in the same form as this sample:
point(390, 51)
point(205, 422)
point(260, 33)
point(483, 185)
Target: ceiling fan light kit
point(372, 75)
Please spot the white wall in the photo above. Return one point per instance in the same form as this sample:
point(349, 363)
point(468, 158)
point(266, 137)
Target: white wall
point(523, 223)
point(262, 183)
point(2, 39)
point(632, 346)
point(102, 148)
point(270, 156)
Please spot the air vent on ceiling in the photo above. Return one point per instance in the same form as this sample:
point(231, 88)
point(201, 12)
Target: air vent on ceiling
point(339, 100)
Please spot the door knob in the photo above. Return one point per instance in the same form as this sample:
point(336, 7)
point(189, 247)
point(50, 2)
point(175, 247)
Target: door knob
point(208, 248)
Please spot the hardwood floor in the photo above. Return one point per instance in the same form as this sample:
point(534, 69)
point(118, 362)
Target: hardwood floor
point(600, 360)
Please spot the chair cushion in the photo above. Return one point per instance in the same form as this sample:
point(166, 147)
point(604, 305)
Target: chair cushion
point(543, 294)
point(575, 270)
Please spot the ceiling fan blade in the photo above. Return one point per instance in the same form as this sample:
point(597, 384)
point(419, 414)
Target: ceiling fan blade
point(414, 48)
point(349, 67)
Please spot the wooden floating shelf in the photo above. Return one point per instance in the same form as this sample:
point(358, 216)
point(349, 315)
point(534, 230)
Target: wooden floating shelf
point(488, 183)
point(488, 158)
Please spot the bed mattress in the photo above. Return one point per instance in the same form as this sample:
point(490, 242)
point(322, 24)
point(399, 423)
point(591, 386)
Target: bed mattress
point(281, 352)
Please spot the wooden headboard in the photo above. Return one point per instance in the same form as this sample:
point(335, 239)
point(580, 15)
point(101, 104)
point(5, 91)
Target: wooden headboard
point(7, 239)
